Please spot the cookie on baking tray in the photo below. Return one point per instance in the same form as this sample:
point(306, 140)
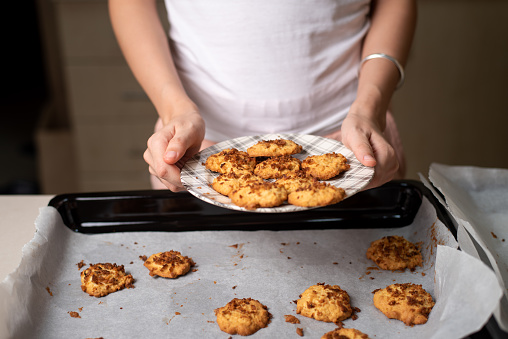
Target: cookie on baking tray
point(394, 253)
point(317, 194)
point(242, 316)
point(171, 264)
point(324, 303)
point(409, 303)
point(275, 167)
point(230, 160)
point(345, 333)
point(102, 279)
point(255, 195)
point(227, 183)
point(325, 166)
point(274, 148)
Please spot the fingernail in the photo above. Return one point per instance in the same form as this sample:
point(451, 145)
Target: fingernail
point(170, 154)
point(368, 158)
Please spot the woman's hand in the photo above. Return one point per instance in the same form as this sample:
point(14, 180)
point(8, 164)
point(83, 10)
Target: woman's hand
point(172, 145)
point(366, 140)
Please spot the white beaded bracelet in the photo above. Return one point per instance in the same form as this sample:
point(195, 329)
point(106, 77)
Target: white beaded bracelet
point(392, 59)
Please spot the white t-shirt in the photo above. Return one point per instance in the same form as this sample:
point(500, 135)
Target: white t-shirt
point(268, 66)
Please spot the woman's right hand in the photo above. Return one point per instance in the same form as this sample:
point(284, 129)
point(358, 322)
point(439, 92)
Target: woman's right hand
point(172, 144)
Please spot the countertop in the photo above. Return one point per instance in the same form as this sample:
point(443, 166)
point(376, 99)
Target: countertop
point(17, 227)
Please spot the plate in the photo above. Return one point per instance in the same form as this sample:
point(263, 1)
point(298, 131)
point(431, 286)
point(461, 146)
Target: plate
point(197, 179)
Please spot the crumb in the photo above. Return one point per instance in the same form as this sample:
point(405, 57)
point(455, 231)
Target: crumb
point(135, 243)
point(132, 262)
point(423, 274)
point(177, 313)
point(291, 319)
point(299, 331)
point(234, 246)
point(372, 278)
point(283, 243)
point(495, 236)
point(80, 264)
point(74, 314)
point(335, 263)
point(233, 287)
point(195, 270)
point(80, 309)
point(289, 257)
point(49, 291)
point(143, 257)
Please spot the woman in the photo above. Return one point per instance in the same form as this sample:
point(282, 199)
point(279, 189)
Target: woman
point(238, 67)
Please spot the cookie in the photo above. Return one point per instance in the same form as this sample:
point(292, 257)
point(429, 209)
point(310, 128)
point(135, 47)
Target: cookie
point(242, 316)
point(276, 167)
point(252, 196)
point(345, 333)
point(170, 264)
point(295, 180)
point(230, 160)
point(394, 253)
point(324, 303)
point(274, 148)
point(317, 194)
point(408, 303)
point(227, 183)
point(101, 279)
point(326, 166)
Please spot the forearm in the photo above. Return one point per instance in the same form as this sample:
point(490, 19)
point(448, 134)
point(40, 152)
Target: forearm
point(145, 46)
point(391, 32)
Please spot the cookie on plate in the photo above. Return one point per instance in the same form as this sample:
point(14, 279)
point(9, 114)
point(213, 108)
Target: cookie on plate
point(227, 183)
point(255, 195)
point(276, 167)
point(317, 194)
point(345, 333)
point(242, 316)
point(274, 148)
point(102, 279)
point(171, 264)
point(230, 160)
point(324, 303)
point(295, 180)
point(326, 166)
point(394, 253)
point(408, 303)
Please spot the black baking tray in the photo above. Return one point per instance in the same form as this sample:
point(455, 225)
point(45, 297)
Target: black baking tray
point(394, 204)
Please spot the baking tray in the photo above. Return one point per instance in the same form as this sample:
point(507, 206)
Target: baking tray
point(392, 205)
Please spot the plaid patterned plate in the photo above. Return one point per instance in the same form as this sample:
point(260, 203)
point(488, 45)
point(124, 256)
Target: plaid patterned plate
point(197, 179)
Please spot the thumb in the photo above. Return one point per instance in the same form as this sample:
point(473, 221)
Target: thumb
point(363, 152)
point(176, 149)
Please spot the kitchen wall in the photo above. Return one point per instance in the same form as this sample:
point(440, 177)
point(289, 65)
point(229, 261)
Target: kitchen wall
point(452, 108)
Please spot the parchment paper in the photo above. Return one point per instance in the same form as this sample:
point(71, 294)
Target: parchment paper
point(272, 267)
point(478, 200)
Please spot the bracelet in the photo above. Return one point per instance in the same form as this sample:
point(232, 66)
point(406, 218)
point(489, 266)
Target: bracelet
point(387, 57)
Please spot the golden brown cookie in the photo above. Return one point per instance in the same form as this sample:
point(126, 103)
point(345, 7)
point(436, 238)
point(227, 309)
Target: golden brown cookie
point(408, 303)
point(325, 166)
point(317, 194)
point(325, 303)
point(227, 183)
point(274, 148)
point(394, 253)
point(345, 333)
point(295, 180)
point(101, 279)
point(170, 264)
point(230, 160)
point(276, 167)
point(242, 316)
point(252, 196)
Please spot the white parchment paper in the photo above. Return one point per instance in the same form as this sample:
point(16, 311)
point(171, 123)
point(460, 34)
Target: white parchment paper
point(272, 267)
point(478, 200)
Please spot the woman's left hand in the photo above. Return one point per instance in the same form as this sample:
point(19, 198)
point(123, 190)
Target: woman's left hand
point(365, 139)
